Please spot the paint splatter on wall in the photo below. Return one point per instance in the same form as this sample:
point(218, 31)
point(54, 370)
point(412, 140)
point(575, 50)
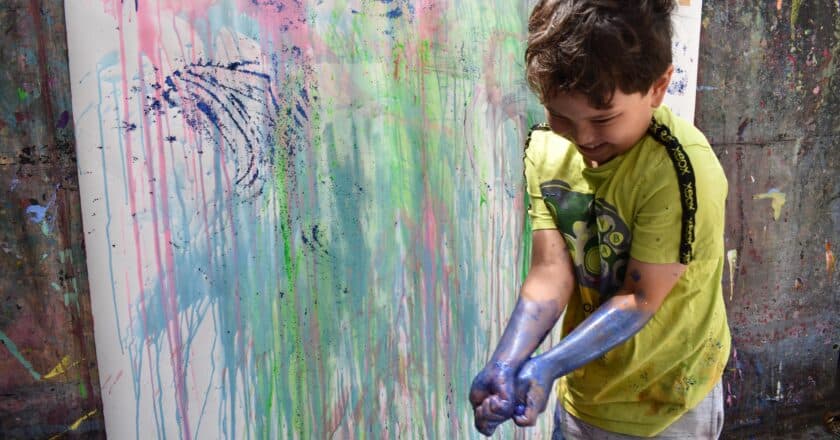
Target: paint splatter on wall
point(685, 50)
point(768, 101)
point(305, 219)
point(285, 200)
point(48, 376)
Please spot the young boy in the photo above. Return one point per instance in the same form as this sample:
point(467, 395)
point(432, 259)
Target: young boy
point(627, 207)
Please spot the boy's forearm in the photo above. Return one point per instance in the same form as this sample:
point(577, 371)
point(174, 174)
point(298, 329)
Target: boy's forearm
point(529, 324)
point(544, 295)
point(616, 321)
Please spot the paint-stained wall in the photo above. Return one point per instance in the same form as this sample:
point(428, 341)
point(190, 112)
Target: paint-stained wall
point(48, 378)
point(769, 101)
point(305, 218)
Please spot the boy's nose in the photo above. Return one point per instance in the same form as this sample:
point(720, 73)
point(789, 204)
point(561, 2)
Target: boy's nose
point(584, 135)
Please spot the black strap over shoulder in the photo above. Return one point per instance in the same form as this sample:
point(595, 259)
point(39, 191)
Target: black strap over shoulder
point(687, 182)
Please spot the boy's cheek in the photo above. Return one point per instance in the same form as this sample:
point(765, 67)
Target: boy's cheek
point(560, 129)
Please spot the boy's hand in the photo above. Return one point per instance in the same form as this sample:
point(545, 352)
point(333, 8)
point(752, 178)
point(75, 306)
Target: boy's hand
point(532, 387)
point(491, 396)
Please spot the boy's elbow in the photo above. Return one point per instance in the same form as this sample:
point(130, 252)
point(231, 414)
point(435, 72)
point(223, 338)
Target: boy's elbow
point(549, 283)
point(638, 301)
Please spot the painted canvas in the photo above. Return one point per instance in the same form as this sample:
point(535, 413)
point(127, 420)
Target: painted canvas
point(303, 219)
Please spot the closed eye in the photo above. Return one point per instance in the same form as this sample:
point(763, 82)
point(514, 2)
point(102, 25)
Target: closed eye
point(556, 116)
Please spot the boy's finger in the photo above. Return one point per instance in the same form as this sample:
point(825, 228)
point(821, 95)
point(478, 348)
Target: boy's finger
point(485, 421)
point(477, 395)
point(500, 406)
point(487, 429)
point(528, 417)
point(487, 412)
point(535, 404)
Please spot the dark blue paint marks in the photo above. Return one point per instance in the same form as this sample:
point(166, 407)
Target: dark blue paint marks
point(679, 82)
point(236, 106)
point(201, 105)
point(154, 107)
point(276, 5)
point(63, 119)
point(234, 65)
point(314, 242)
point(398, 9)
point(301, 111)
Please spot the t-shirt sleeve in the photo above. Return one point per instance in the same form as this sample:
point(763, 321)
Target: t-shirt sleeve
point(657, 223)
point(538, 211)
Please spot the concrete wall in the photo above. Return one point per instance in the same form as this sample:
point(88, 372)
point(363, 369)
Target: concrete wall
point(48, 376)
point(769, 101)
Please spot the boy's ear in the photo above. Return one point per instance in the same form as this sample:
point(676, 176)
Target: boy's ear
point(660, 87)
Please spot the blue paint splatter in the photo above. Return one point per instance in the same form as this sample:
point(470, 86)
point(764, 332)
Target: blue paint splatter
point(211, 115)
point(63, 119)
point(36, 213)
point(679, 82)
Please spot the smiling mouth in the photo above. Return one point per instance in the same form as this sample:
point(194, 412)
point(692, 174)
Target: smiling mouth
point(591, 148)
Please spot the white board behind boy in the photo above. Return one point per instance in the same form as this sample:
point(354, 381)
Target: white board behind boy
point(682, 92)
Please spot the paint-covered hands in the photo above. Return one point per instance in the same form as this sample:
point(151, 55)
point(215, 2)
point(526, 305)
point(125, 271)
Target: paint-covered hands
point(492, 396)
point(499, 393)
point(532, 387)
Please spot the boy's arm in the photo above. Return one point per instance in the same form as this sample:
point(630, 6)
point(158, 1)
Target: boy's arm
point(645, 288)
point(544, 295)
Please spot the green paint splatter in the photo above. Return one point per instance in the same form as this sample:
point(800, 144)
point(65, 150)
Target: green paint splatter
point(794, 13)
point(83, 391)
point(4, 340)
point(22, 95)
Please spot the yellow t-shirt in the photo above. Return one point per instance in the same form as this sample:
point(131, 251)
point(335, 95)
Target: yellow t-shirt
point(636, 206)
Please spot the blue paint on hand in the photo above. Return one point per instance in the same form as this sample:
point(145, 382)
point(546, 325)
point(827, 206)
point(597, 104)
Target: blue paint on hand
point(519, 410)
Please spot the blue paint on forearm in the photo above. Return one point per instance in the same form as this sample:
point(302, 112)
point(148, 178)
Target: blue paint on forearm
point(529, 324)
point(613, 323)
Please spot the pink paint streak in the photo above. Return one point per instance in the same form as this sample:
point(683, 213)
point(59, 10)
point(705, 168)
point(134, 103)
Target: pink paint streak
point(132, 191)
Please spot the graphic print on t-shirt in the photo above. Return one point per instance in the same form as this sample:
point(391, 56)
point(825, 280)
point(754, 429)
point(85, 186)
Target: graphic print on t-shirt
point(597, 237)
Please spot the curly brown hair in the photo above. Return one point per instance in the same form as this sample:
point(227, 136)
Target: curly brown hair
point(596, 47)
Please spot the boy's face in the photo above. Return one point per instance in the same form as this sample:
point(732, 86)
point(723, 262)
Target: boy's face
point(602, 134)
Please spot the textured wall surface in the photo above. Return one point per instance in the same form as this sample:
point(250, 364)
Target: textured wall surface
point(48, 377)
point(769, 101)
point(304, 218)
